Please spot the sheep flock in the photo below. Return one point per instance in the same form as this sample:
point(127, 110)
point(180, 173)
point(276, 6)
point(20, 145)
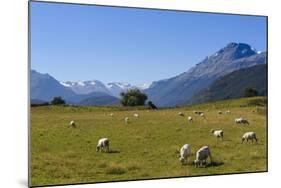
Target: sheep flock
point(202, 154)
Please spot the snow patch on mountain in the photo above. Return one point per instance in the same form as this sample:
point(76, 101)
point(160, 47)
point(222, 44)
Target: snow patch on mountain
point(65, 84)
point(143, 86)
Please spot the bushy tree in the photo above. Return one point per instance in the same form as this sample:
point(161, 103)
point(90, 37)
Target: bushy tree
point(250, 92)
point(133, 97)
point(151, 105)
point(57, 101)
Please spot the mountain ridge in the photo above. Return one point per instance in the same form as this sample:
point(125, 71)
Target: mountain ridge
point(234, 84)
point(167, 92)
point(44, 87)
point(178, 89)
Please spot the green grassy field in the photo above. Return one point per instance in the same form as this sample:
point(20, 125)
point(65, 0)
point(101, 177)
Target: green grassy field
point(147, 147)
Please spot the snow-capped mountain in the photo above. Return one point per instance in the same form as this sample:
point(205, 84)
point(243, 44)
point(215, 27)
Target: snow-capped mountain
point(113, 88)
point(44, 87)
point(86, 87)
point(143, 86)
point(116, 88)
point(179, 89)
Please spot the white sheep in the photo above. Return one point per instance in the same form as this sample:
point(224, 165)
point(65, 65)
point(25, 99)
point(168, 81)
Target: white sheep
point(241, 121)
point(72, 124)
point(227, 112)
point(249, 136)
point(103, 145)
point(136, 115)
point(185, 152)
point(201, 156)
point(111, 114)
point(181, 114)
point(190, 120)
point(202, 115)
point(217, 133)
point(126, 120)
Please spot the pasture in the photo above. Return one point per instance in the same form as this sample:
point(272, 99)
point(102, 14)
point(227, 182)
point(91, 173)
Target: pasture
point(147, 147)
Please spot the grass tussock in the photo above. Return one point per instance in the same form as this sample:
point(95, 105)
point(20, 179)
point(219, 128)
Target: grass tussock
point(133, 167)
point(115, 169)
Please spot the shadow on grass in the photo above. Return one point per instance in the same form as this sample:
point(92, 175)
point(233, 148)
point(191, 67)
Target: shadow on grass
point(214, 164)
point(208, 165)
point(259, 143)
point(253, 143)
point(114, 151)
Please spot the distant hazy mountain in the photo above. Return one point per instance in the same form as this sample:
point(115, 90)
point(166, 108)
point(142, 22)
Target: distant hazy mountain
point(100, 100)
point(37, 101)
point(44, 87)
point(179, 89)
point(94, 98)
point(234, 84)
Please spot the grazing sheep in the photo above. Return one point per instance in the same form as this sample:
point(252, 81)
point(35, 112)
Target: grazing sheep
point(249, 136)
point(198, 112)
point(201, 156)
point(241, 121)
point(181, 114)
point(103, 145)
point(202, 115)
point(126, 120)
point(219, 112)
point(190, 120)
point(217, 133)
point(72, 124)
point(184, 154)
point(244, 121)
point(237, 120)
point(136, 115)
point(227, 112)
point(111, 114)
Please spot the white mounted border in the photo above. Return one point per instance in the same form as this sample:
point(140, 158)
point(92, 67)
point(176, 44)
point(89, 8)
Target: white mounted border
point(13, 76)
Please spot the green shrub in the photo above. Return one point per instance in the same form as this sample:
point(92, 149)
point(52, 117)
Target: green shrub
point(57, 101)
point(133, 97)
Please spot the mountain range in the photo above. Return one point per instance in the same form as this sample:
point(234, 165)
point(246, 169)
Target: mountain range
point(181, 88)
point(186, 88)
point(44, 87)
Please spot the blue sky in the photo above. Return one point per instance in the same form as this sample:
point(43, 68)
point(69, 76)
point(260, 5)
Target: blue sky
point(77, 42)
